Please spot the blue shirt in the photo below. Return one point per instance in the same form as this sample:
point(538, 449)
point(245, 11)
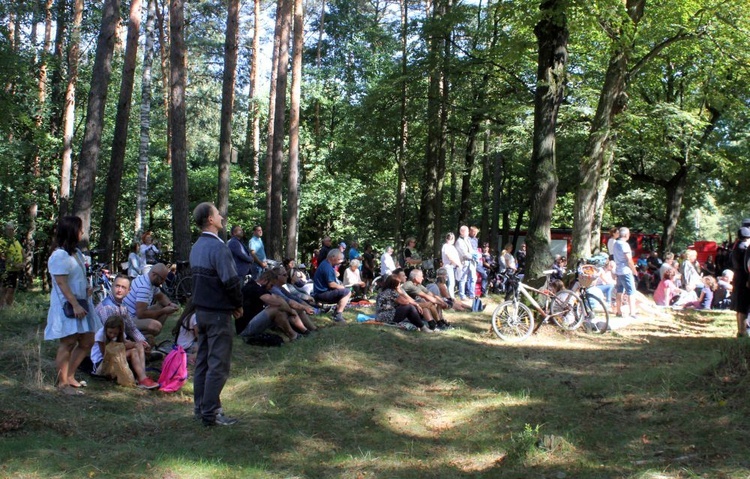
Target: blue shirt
point(324, 275)
point(353, 253)
point(256, 244)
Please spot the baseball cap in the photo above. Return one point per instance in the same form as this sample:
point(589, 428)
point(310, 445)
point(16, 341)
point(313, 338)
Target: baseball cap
point(342, 245)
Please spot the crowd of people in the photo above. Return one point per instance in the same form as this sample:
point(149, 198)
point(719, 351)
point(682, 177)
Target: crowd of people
point(238, 291)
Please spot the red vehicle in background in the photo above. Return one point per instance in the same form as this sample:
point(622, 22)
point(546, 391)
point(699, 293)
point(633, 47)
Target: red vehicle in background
point(562, 242)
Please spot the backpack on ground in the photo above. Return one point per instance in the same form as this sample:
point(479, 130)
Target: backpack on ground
point(174, 371)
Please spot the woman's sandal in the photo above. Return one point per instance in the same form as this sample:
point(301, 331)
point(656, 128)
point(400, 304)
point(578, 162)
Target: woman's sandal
point(81, 384)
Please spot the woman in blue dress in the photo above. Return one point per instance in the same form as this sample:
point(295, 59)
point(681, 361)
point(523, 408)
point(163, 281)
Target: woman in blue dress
point(69, 284)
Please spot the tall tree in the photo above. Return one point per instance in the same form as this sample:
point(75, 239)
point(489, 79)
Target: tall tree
point(552, 42)
point(92, 136)
point(120, 138)
point(178, 120)
point(272, 90)
point(276, 226)
point(252, 135)
point(231, 49)
point(145, 136)
point(293, 186)
point(596, 164)
point(435, 146)
point(403, 124)
point(36, 166)
point(69, 109)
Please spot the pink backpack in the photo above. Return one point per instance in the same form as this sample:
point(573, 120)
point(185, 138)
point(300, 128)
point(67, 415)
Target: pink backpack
point(174, 371)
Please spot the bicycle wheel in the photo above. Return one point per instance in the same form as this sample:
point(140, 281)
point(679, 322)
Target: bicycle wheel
point(597, 316)
point(512, 321)
point(567, 310)
point(184, 289)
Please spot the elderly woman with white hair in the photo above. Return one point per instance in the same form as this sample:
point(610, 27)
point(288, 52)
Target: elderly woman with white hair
point(353, 278)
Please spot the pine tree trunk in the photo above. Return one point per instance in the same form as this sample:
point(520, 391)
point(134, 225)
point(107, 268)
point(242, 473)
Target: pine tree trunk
point(164, 55)
point(293, 195)
point(231, 49)
point(92, 136)
point(252, 134)
point(145, 136)
point(69, 108)
point(272, 109)
point(497, 191)
point(178, 75)
point(56, 83)
point(484, 231)
point(552, 41)
point(403, 127)
point(120, 138)
point(276, 225)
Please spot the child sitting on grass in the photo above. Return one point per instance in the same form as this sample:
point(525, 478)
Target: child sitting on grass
point(186, 332)
point(114, 331)
point(707, 294)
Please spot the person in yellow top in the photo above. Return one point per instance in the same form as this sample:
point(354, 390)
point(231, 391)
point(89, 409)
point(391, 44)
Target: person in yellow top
point(11, 264)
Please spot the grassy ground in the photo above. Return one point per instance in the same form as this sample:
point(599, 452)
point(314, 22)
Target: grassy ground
point(665, 398)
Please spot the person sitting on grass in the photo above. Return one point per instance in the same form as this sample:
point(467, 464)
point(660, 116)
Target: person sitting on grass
point(394, 308)
point(112, 305)
point(667, 290)
point(326, 287)
point(303, 310)
point(185, 331)
point(114, 331)
point(705, 300)
point(440, 288)
point(353, 278)
point(418, 292)
point(146, 301)
point(263, 309)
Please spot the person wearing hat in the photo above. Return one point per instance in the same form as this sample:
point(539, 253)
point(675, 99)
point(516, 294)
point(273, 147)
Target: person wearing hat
point(740, 300)
point(440, 289)
point(11, 264)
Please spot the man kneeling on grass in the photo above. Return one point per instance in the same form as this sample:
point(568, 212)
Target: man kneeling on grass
point(428, 301)
point(263, 309)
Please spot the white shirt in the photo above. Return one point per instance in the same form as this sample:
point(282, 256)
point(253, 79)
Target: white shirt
point(386, 264)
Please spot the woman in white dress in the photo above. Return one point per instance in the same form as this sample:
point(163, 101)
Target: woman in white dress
point(69, 284)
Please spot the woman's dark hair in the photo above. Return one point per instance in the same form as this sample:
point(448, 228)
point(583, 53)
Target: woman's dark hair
point(183, 320)
point(66, 236)
point(391, 282)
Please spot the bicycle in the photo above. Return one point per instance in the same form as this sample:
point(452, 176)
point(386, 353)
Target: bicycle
point(179, 287)
point(596, 312)
point(513, 320)
point(101, 284)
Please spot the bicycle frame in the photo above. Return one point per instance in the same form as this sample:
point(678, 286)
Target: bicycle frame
point(524, 289)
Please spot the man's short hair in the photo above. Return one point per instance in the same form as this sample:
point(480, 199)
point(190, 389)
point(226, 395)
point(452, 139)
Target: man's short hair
point(414, 273)
point(257, 227)
point(268, 276)
point(624, 231)
point(121, 276)
point(234, 228)
point(334, 253)
point(202, 212)
point(442, 272)
point(398, 271)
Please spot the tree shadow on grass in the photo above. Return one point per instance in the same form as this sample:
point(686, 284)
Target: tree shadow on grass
point(373, 401)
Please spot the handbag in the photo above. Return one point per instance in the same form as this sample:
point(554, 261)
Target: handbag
point(68, 307)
